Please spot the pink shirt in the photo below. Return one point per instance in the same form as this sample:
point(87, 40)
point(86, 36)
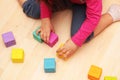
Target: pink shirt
point(93, 14)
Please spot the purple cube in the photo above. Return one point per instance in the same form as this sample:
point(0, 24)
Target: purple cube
point(53, 39)
point(8, 39)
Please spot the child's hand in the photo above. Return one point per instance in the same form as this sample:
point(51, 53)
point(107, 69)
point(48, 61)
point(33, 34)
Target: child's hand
point(45, 29)
point(68, 49)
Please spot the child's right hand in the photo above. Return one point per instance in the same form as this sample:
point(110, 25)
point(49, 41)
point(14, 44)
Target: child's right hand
point(45, 29)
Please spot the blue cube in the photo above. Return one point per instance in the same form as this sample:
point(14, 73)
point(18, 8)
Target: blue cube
point(49, 65)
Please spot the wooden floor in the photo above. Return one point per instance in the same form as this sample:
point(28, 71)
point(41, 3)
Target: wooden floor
point(103, 51)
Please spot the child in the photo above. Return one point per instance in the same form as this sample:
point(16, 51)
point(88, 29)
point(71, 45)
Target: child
point(87, 21)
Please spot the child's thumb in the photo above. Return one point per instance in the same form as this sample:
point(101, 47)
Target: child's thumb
point(38, 31)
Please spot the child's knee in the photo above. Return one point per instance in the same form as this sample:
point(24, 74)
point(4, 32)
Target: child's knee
point(31, 9)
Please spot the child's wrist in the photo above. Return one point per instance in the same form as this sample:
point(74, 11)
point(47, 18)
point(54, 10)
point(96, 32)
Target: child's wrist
point(45, 20)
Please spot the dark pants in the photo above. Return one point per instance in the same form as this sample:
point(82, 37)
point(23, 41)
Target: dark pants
point(78, 17)
point(32, 9)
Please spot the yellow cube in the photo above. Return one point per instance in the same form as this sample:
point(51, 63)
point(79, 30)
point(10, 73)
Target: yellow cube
point(60, 56)
point(110, 78)
point(94, 73)
point(17, 55)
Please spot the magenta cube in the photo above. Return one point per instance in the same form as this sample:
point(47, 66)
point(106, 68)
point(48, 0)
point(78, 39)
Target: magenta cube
point(8, 39)
point(53, 39)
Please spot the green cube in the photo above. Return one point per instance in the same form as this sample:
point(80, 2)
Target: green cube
point(110, 78)
point(37, 37)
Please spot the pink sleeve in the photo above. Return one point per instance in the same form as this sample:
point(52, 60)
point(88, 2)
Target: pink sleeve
point(93, 12)
point(45, 11)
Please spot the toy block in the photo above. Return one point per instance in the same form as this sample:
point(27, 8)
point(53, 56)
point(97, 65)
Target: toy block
point(17, 55)
point(37, 37)
point(8, 39)
point(53, 39)
point(60, 56)
point(110, 78)
point(49, 65)
point(94, 73)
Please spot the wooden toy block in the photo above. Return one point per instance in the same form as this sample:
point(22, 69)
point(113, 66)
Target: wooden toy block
point(94, 73)
point(8, 39)
point(110, 78)
point(17, 55)
point(61, 56)
point(53, 39)
point(49, 65)
point(37, 37)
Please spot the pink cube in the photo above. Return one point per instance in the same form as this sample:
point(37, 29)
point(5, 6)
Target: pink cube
point(53, 39)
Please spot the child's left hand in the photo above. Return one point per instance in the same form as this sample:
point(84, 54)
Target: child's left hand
point(68, 49)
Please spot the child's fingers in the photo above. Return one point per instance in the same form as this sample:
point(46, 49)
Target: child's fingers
point(60, 49)
point(47, 38)
point(63, 51)
point(42, 35)
point(53, 30)
point(60, 54)
point(38, 31)
point(68, 54)
point(67, 41)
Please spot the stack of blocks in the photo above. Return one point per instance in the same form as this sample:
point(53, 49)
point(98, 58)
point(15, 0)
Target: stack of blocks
point(52, 40)
point(49, 65)
point(8, 39)
point(110, 78)
point(17, 55)
point(94, 73)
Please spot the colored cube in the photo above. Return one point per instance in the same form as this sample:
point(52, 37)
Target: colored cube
point(94, 73)
point(110, 78)
point(8, 39)
point(37, 37)
point(49, 65)
point(60, 56)
point(53, 39)
point(17, 55)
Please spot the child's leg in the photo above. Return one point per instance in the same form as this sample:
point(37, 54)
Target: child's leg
point(21, 2)
point(105, 21)
point(69, 47)
point(108, 18)
point(31, 8)
point(78, 17)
